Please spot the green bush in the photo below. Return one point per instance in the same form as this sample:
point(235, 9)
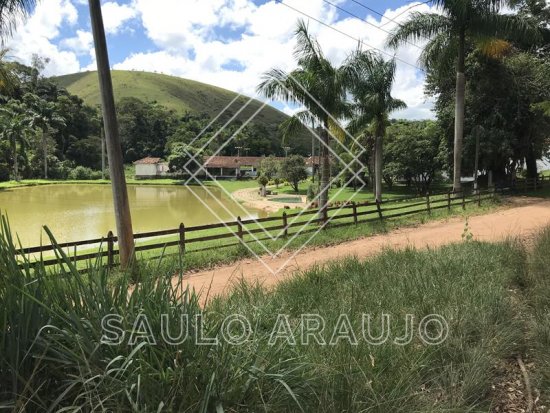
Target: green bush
point(81, 173)
point(312, 191)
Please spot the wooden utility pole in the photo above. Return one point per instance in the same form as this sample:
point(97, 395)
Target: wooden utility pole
point(114, 151)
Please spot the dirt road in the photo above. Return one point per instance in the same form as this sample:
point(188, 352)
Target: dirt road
point(522, 220)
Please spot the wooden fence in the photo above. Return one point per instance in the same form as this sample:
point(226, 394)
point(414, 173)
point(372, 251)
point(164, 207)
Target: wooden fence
point(285, 226)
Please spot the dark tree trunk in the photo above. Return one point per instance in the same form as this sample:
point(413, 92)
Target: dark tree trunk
point(531, 163)
point(459, 112)
point(325, 171)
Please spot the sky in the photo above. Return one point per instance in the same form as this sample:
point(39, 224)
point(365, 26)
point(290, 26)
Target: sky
point(227, 43)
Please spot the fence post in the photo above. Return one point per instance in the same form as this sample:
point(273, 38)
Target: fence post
point(354, 206)
point(285, 224)
point(463, 200)
point(110, 250)
point(535, 183)
point(478, 198)
point(182, 237)
point(428, 203)
point(239, 228)
point(449, 200)
point(379, 209)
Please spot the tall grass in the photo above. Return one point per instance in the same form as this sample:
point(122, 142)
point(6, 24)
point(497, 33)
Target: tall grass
point(537, 293)
point(52, 359)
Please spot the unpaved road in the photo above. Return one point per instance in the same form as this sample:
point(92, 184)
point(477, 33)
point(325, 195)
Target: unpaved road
point(521, 221)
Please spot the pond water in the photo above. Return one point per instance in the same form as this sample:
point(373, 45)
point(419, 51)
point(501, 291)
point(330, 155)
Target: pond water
point(79, 212)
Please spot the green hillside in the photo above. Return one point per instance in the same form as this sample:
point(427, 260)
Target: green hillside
point(181, 95)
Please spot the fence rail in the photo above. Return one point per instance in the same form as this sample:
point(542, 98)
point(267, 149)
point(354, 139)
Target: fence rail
point(245, 231)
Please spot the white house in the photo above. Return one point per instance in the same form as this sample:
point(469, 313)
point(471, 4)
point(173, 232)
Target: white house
point(150, 168)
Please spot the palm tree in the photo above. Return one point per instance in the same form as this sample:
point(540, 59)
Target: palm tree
point(10, 13)
point(320, 88)
point(114, 151)
point(15, 128)
point(373, 104)
point(8, 80)
point(477, 21)
point(44, 117)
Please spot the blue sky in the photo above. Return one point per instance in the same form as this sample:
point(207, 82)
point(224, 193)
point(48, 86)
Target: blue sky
point(229, 43)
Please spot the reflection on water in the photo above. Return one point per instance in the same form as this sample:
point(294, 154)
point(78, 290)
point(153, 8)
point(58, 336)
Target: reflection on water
point(77, 212)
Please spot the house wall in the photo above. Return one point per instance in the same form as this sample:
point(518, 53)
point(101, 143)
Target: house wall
point(145, 170)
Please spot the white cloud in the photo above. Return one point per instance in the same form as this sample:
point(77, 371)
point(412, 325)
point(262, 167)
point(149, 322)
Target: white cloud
point(181, 30)
point(115, 15)
point(36, 36)
point(187, 35)
point(80, 44)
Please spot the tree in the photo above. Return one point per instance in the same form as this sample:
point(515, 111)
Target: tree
point(114, 151)
point(415, 151)
point(294, 170)
point(8, 79)
point(44, 117)
point(461, 21)
point(373, 104)
point(270, 167)
point(263, 181)
point(15, 129)
point(184, 159)
point(320, 88)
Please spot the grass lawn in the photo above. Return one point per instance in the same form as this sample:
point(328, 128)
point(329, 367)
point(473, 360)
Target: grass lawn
point(358, 195)
point(493, 298)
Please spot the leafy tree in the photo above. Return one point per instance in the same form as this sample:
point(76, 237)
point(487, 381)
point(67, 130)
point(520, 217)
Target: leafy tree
point(184, 159)
point(45, 118)
point(294, 170)
point(144, 128)
point(270, 167)
point(8, 79)
point(416, 151)
point(320, 88)
point(373, 105)
point(503, 105)
point(15, 129)
point(263, 180)
point(461, 22)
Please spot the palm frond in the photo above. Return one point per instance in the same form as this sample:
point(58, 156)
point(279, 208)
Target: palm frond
point(307, 50)
point(504, 26)
point(419, 25)
point(440, 53)
point(293, 125)
point(11, 12)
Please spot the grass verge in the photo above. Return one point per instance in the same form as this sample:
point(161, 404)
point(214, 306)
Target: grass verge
point(52, 357)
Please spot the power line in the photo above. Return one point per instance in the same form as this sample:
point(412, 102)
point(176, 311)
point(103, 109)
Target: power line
point(405, 11)
point(367, 22)
point(349, 35)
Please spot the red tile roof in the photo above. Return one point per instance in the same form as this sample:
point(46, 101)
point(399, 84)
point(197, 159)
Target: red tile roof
point(233, 161)
point(148, 161)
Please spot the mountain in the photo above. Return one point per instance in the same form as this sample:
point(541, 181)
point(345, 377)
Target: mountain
point(181, 95)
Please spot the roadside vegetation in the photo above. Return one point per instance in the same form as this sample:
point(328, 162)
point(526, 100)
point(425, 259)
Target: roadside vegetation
point(494, 298)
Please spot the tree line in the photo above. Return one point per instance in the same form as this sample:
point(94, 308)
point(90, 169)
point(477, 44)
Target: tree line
point(47, 132)
point(488, 72)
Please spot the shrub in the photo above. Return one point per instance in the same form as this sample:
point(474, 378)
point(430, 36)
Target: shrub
point(81, 173)
point(312, 191)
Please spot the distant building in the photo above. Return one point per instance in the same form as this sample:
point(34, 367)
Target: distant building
point(216, 166)
point(150, 168)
